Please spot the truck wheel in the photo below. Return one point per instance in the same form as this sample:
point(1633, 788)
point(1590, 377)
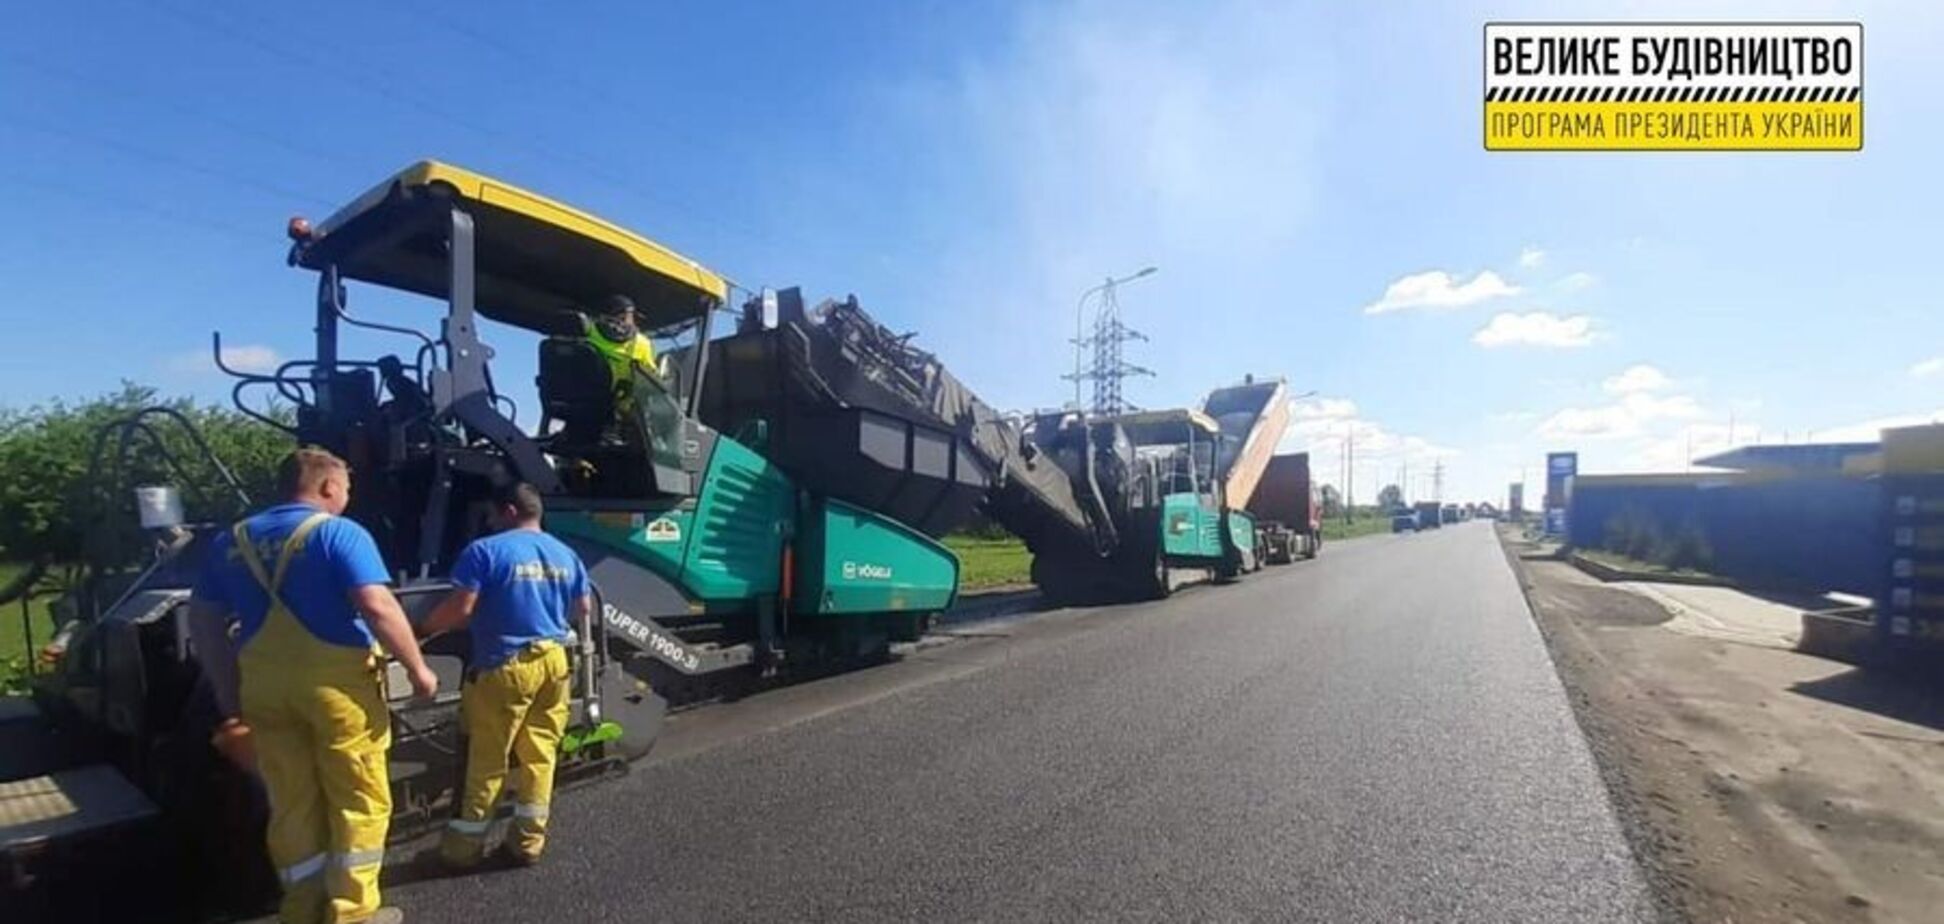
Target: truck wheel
point(1160, 590)
point(1315, 545)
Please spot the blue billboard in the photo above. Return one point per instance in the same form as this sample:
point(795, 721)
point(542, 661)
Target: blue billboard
point(1561, 467)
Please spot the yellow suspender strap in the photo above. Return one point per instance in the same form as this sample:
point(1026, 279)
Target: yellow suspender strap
point(272, 583)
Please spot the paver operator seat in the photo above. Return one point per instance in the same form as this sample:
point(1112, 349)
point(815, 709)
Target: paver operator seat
point(620, 449)
point(576, 392)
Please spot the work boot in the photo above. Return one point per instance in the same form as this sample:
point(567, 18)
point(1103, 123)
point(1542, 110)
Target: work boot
point(458, 851)
point(514, 856)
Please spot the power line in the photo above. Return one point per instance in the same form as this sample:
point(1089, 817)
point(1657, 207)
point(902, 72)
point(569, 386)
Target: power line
point(589, 87)
point(360, 74)
point(151, 155)
point(509, 50)
point(135, 206)
point(147, 99)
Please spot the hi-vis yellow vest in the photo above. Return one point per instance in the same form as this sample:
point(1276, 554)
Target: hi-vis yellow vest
point(620, 355)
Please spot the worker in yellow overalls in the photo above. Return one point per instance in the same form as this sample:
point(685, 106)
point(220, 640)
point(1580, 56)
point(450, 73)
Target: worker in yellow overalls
point(517, 591)
point(307, 592)
point(615, 335)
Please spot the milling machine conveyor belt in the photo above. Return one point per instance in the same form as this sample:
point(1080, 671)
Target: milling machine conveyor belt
point(855, 411)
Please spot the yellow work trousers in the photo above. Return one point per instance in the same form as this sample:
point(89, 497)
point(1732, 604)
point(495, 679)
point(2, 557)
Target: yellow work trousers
point(322, 731)
point(515, 712)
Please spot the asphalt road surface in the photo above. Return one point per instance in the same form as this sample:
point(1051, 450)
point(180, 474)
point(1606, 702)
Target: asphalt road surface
point(1377, 735)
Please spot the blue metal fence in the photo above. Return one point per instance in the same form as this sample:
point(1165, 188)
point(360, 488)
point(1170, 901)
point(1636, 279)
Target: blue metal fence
point(1814, 531)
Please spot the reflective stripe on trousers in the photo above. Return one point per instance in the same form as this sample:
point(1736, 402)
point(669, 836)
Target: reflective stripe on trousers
point(516, 712)
point(322, 730)
point(302, 869)
point(530, 810)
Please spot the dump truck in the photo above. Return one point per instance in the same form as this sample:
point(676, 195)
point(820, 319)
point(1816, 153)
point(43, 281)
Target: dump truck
point(712, 566)
point(1253, 416)
point(1288, 511)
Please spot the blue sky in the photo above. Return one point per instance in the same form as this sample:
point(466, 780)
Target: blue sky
point(1308, 178)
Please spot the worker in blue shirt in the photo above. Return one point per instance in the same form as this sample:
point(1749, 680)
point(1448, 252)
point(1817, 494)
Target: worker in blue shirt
point(284, 617)
point(518, 590)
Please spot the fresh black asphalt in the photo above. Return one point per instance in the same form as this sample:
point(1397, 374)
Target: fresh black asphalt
point(1377, 735)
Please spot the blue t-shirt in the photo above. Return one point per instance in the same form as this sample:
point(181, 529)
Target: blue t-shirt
point(527, 583)
point(337, 558)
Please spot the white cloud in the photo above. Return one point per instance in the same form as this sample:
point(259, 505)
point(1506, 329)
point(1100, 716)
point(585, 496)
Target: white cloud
point(1927, 368)
point(1323, 409)
point(1596, 422)
point(1667, 437)
point(248, 357)
point(1321, 426)
point(1647, 407)
point(1536, 328)
point(1871, 430)
point(1573, 282)
point(1439, 289)
point(1630, 416)
point(1674, 451)
point(1531, 257)
point(1511, 417)
point(1637, 378)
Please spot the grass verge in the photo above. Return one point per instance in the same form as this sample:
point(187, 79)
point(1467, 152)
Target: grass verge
point(1617, 560)
point(985, 563)
point(13, 631)
point(1334, 529)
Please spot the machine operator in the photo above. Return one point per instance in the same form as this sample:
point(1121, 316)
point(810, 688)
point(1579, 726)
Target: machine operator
point(615, 334)
point(308, 592)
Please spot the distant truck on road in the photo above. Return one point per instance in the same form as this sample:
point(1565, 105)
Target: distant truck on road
point(1287, 510)
point(1429, 514)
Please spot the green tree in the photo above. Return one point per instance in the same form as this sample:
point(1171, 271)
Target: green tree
point(1331, 500)
point(1390, 497)
point(47, 502)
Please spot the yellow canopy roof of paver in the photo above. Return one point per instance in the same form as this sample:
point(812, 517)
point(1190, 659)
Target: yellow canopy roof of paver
point(536, 260)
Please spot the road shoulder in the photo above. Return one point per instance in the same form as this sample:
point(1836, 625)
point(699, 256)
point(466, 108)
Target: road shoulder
point(1754, 783)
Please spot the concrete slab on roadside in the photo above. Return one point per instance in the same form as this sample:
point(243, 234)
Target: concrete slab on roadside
point(1726, 613)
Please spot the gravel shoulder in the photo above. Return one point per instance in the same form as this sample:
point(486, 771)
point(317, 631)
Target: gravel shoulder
point(1755, 783)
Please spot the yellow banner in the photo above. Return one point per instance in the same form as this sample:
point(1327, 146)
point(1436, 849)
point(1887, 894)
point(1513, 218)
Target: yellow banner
point(1673, 86)
point(1669, 126)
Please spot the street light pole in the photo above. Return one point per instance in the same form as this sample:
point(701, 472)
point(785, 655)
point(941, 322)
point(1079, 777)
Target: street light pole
point(1079, 335)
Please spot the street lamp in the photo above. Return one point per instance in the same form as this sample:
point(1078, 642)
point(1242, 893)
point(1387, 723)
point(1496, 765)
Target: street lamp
point(1078, 310)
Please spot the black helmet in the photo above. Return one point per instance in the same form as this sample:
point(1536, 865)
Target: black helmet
point(617, 305)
